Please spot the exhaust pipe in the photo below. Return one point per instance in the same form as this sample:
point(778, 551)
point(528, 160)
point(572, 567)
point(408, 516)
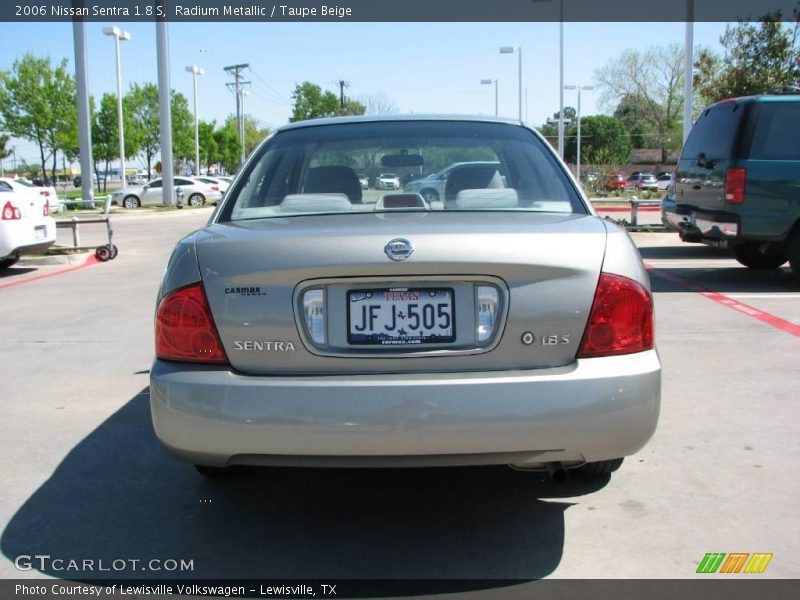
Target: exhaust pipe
point(556, 471)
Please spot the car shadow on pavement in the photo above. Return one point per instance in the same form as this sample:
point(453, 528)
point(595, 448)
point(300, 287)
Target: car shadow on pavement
point(14, 271)
point(119, 495)
point(723, 280)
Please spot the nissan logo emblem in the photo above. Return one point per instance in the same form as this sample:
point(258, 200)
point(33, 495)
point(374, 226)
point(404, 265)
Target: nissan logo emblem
point(399, 249)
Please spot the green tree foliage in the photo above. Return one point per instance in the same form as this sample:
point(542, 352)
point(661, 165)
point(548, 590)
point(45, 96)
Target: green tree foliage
point(4, 151)
point(757, 58)
point(105, 134)
point(550, 129)
point(604, 140)
point(650, 86)
point(209, 148)
point(141, 102)
point(38, 103)
point(311, 102)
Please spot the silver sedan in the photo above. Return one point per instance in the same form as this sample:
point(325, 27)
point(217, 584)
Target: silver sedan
point(312, 324)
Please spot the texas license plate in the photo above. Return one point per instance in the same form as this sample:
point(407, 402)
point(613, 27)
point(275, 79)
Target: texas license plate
point(392, 316)
point(40, 232)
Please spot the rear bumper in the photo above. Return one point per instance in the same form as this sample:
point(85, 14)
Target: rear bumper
point(16, 239)
point(697, 225)
point(594, 409)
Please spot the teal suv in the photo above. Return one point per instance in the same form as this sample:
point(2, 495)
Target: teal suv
point(737, 184)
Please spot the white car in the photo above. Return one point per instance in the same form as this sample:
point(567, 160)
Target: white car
point(25, 224)
point(217, 183)
point(196, 193)
point(664, 181)
point(24, 186)
point(387, 181)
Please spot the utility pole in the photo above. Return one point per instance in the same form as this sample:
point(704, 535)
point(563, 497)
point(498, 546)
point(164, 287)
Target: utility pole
point(238, 86)
point(342, 84)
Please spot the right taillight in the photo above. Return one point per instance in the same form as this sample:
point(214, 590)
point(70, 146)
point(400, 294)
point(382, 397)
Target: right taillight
point(10, 212)
point(621, 319)
point(735, 180)
point(185, 329)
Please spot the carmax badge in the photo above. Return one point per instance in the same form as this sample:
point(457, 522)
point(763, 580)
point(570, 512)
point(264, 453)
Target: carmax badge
point(399, 249)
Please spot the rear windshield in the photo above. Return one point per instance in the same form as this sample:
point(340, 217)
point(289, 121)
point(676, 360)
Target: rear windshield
point(714, 133)
point(313, 170)
point(776, 135)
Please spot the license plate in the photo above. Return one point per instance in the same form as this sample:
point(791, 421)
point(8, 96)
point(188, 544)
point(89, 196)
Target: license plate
point(392, 316)
point(40, 232)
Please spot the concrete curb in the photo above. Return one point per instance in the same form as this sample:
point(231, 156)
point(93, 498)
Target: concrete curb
point(72, 259)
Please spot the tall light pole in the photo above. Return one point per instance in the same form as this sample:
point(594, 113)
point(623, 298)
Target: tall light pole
point(578, 117)
point(490, 82)
point(195, 71)
point(561, 81)
point(118, 34)
point(688, 84)
point(511, 50)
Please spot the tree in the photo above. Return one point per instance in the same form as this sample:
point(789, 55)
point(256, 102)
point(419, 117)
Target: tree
point(38, 103)
point(311, 102)
point(4, 152)
point(757, 59)
point(652, 83)
point(550, 129)
point(105, 134)
point(141, 102)
point(209, 149)
point(603, 141)
point(377, 104)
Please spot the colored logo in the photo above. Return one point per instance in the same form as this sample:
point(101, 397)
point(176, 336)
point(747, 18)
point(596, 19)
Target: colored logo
point(735, 562)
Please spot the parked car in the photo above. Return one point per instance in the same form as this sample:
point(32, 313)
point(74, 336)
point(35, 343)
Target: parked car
point(25, 224)
point(504, 325)
point(663, 181)
point(135, 179)
point(738, 178)
point(77, 180)
point(24, 186)
point(217, 183)
point(642, 181)
point(364, 181)
point(196, 193)
point(615, 182)
point(432, 187)
point(387, 181)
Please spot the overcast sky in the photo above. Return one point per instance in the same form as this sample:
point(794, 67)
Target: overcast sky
point(421, 67)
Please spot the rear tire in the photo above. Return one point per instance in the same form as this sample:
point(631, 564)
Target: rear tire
point(756, 255)
point(130, 202)
point(430, 195)
point(600, 468)
point(8, 262)
point(196, 200)
point(212, 472)
point(793, 251)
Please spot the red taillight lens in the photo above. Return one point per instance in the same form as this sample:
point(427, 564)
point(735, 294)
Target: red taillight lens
point(185, 329)
point(46, 209)
point(735, 180)
point(215, 188)
point(621, 319)
point(10, 212)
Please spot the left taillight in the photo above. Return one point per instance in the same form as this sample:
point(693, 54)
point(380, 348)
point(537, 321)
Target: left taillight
point(185, 329)
point(735, 182)
point(10, 212)
point(621, 319)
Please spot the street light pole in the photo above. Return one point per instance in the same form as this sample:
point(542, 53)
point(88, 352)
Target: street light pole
point(561, 82)
point(688, 84)
point(490, 82)
point(195, 71)
point(511, 50)
point(243, 93)
point(118, 34)
point(578, 117)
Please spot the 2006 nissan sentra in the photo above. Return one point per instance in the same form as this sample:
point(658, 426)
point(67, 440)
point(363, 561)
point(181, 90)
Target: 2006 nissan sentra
point(312, 323)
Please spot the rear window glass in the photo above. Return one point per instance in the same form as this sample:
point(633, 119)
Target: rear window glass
point(314, 170)
point(714, 132)
point(777, 132)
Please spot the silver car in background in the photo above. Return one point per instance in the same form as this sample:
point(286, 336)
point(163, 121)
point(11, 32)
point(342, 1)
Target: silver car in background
point(196, 193)
point(311, 324)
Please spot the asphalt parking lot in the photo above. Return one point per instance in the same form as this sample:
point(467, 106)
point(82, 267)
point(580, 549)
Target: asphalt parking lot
point(85, 478)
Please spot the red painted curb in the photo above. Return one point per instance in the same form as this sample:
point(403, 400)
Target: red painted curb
point(90, 260)
point(743, 308)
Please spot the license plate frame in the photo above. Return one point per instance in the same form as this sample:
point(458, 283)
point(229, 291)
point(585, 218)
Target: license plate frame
point(404, 297)
point(40, 232)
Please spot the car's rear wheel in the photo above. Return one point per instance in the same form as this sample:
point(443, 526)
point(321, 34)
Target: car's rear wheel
point(793, 251)
point(130, 202)
point(599, 468)
point(8, 262)
point(430, 195)
point(212, 472)
point(196, 200)
point(756, 255)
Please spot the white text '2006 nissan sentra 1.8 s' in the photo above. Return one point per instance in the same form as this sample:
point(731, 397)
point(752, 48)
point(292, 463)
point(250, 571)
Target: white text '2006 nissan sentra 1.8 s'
point(313, 323)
